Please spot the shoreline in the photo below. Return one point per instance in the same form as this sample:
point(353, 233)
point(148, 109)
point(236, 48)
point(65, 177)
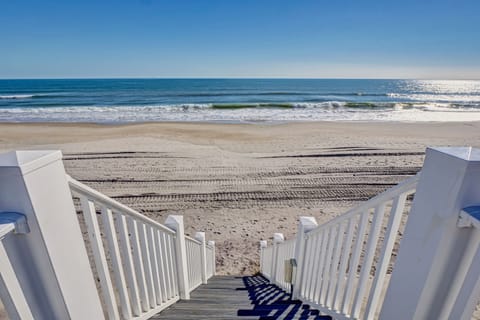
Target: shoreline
point(46, 133)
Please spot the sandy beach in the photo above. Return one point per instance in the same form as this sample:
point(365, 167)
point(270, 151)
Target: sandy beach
point(241, 183)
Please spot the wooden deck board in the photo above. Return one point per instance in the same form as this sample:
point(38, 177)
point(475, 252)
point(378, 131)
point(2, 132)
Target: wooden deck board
point(239, 297)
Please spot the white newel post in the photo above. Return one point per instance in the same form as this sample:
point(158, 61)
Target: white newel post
point(212, 244)
point(263, 245)
point(200, 236)
point(50, 261)
point(433, 245)
point(305, 225)
point(277, 238)
point(175, 223)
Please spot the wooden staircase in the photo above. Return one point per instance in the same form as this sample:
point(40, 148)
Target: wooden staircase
point(239, 297)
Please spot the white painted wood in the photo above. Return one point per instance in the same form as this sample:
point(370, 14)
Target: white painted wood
point(147, 263)
point(277, 238)
point(209, 253)
point(432, 244)
point(12, 221)
point(200, 236)
point(318, 264)
point(385, 255)
point(166, 267)
point(212, 244)
point(323, 242)
point(79, 189)
point(469, 295)
point(190, 264)
point(162, 269)
point(352, 270)
point(458, 281)
point(313, 262)
point(173, 262)
point(328, 264)
point(335, 266)
point(34, 184)
point(339, 294)
point(155, 264)
point(125, 247)
point(149, 314)
point(94, 234)
point(405, 186)
point(306, 267)
point(176, 224)
point(170, 243)
point(11, 294)
point(267, 253)
point(367, 262)
point(120, 283)
point(305, 225)
point(138, 263)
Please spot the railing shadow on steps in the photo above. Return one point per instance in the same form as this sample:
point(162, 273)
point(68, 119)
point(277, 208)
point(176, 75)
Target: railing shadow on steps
point(128, 266)
point(270, 302)
point(391, 258)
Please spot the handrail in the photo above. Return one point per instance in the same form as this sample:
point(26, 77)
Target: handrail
point(336, 258)
point(194, 259)
point(12, 221)
point(139, 279)
point(192, 239)
point(287, 242)
point(11, 292)
point(129, 266)
point(402, 187)
point(6, 228)
point(82, 189)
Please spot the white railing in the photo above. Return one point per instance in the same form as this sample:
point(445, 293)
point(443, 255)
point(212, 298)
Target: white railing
point(285, 251)
point(137, 250)
point(210, 252)
point(464, 293)
point(266, 259)
point(194, 259)
point(49, 268)
point(11, 293)
point(344, 262)
point(393, 259)
point(342, 266)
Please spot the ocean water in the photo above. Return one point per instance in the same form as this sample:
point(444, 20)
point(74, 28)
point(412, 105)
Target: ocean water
point(237, 100)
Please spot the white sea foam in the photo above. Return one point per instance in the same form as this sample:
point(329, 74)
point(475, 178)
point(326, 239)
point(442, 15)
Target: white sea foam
point(17, 96)
point(326, 111)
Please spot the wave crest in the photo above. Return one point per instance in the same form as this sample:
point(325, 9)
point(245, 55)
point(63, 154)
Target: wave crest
point(17, 96)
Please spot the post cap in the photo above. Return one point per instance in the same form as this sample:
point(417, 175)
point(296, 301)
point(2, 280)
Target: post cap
point(29, 160)
point(174, 221)
point(307, 223)
point(200, 236)
point(463, 153)
point(263, 244)
point(278, 237)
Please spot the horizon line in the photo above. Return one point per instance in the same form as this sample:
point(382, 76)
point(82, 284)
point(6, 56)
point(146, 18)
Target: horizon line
point(236, 78)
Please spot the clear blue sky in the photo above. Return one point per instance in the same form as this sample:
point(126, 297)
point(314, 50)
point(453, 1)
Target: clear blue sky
point(240, 38)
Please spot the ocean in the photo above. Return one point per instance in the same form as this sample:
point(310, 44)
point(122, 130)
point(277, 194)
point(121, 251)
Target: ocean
point(237, 100)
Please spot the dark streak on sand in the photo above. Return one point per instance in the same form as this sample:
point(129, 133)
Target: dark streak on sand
point(334, 155)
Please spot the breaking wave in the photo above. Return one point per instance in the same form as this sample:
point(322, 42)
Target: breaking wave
point(17, 96)
point(251, 112)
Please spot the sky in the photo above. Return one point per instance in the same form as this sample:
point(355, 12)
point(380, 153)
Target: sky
point(421, 39)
